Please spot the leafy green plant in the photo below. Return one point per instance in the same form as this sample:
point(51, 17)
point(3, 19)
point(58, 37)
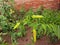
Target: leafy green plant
point(8, 18)
point(48, 25)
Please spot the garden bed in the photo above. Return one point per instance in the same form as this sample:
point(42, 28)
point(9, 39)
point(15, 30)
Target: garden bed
point(27, 40)
point(29, 27)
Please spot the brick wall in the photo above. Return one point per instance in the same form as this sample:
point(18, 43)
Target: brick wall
point(53, 4)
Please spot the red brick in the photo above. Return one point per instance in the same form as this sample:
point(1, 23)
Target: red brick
point(36, 3)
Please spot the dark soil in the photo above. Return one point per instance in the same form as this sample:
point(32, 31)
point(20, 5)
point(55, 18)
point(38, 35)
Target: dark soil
point(7, 39)
point(27, 39)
